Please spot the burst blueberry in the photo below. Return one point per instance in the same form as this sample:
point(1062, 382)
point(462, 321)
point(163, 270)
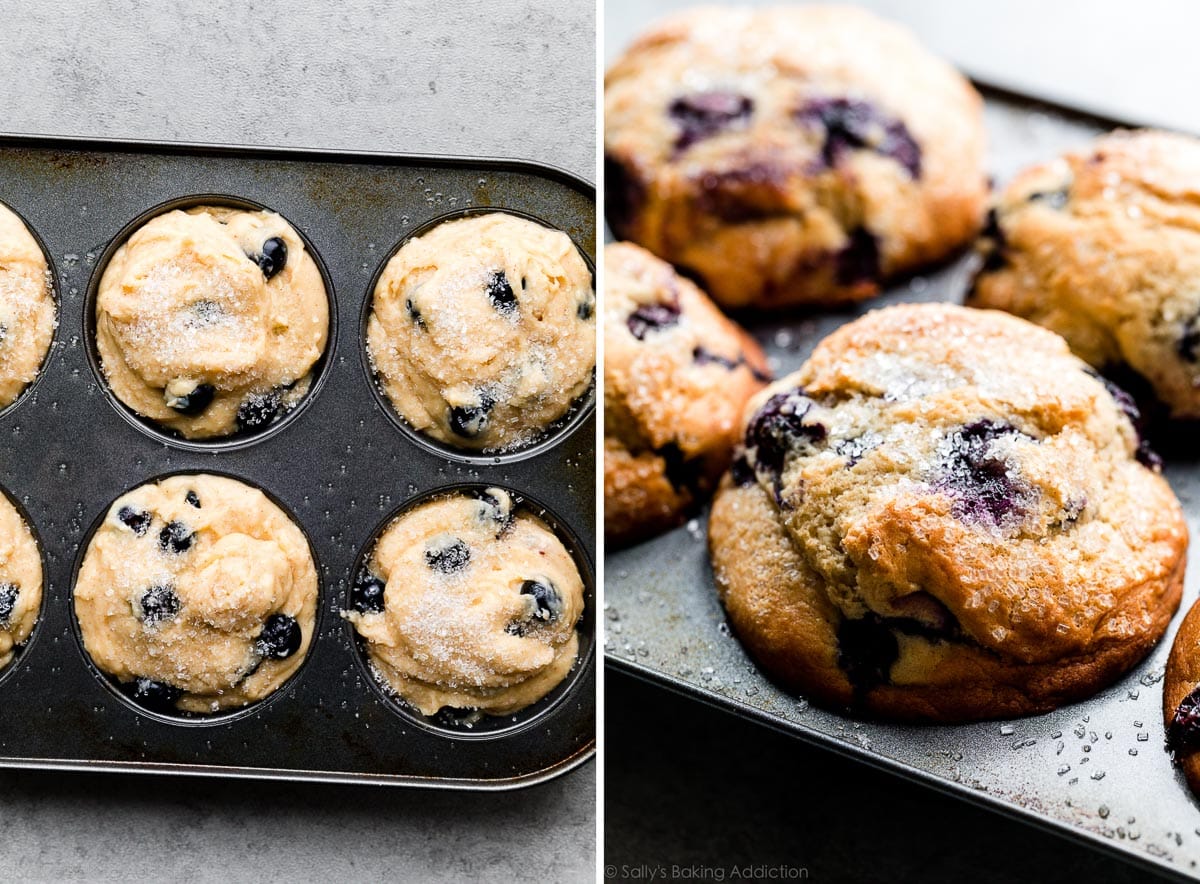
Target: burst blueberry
point(979, 476)
point(1183, 733)
point(193, 499)
point(705, 114)
point(867, 649)
point(280, 637)
point(859, 260)
point(779, 427)
point(851, 124)
point(651, 317)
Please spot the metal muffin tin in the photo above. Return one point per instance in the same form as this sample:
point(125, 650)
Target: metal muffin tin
point(338, 464)
point(1097, 770)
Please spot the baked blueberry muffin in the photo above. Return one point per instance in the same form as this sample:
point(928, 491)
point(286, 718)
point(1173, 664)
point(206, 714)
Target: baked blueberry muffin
point(469, 603)
point(677, 375)
point(791, 155)
point(20, 582)
point(945, 516)
point(27, 310)
point(197, 593)
point(209, 321)
point(1102, 245)
point(483, 331)
point(1181, 698)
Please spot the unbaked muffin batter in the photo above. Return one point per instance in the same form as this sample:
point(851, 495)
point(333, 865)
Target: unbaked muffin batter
point(27, 311)
point(469, 604)
point(209, 321)
point(198, 594)
point(483, 332)
point(20, 581)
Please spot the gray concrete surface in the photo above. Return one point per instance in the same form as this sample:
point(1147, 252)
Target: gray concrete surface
point(508, 78)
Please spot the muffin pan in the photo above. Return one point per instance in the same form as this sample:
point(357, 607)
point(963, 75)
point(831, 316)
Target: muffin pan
point(338, 464)
point(1096, 770)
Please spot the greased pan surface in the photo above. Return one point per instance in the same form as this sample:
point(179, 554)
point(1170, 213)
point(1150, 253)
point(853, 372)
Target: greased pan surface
point(1097, 770)
point(340, 467)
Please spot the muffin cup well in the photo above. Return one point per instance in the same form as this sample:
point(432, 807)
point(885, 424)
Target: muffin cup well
point(555, 433)
point(187, 719)
point(470, 724)
point(151, 427)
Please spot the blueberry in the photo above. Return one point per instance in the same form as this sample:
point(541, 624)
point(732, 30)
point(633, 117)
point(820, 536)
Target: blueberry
point(159, 603)
point(549, 602)
point(447, 555)
point(587, 307)
point(981, 480)
point(191, 402)
point(258, 410)
point(995, 244)
point(682, 472)
point(778, 427)
point(414, 314)
point(470, 421)
point(156, 695)
point(1128, 406)
point(193, 499)
point(501, 294)
point(3, 333)
point(280, 637)
point(703, 356)
point(175, 537)
point(1055, 199)
point(1183, 733)
point(858, 261)
point(852, 124)
point(366, 596)
point(497, 509)
point(1188, 346)
point(136, 521)
point(651, 317)
point(8, 601)
point(273, 257)
point(741, 471)
point(207, 312)
point(867, 648)
point(706, 114)
point(624, 194)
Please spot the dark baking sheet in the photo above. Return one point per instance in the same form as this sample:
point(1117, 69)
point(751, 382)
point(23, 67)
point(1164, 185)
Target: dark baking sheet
point(1096, 770)
point(341, 467)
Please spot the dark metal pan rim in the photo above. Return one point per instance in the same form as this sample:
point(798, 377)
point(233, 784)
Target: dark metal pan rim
point(21, 651)
point(557, 432)
point(56, 295)
point(299, 775)
point(234, 441)
point(197, 719)
point(313, 154)
point(523, 719)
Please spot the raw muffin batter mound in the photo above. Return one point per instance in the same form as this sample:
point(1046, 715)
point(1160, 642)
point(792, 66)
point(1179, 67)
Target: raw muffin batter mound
point(482, 331)
point(27, 310)
point(468, 603)
point(197, 594)
point(20, 581)
point(209, 321)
